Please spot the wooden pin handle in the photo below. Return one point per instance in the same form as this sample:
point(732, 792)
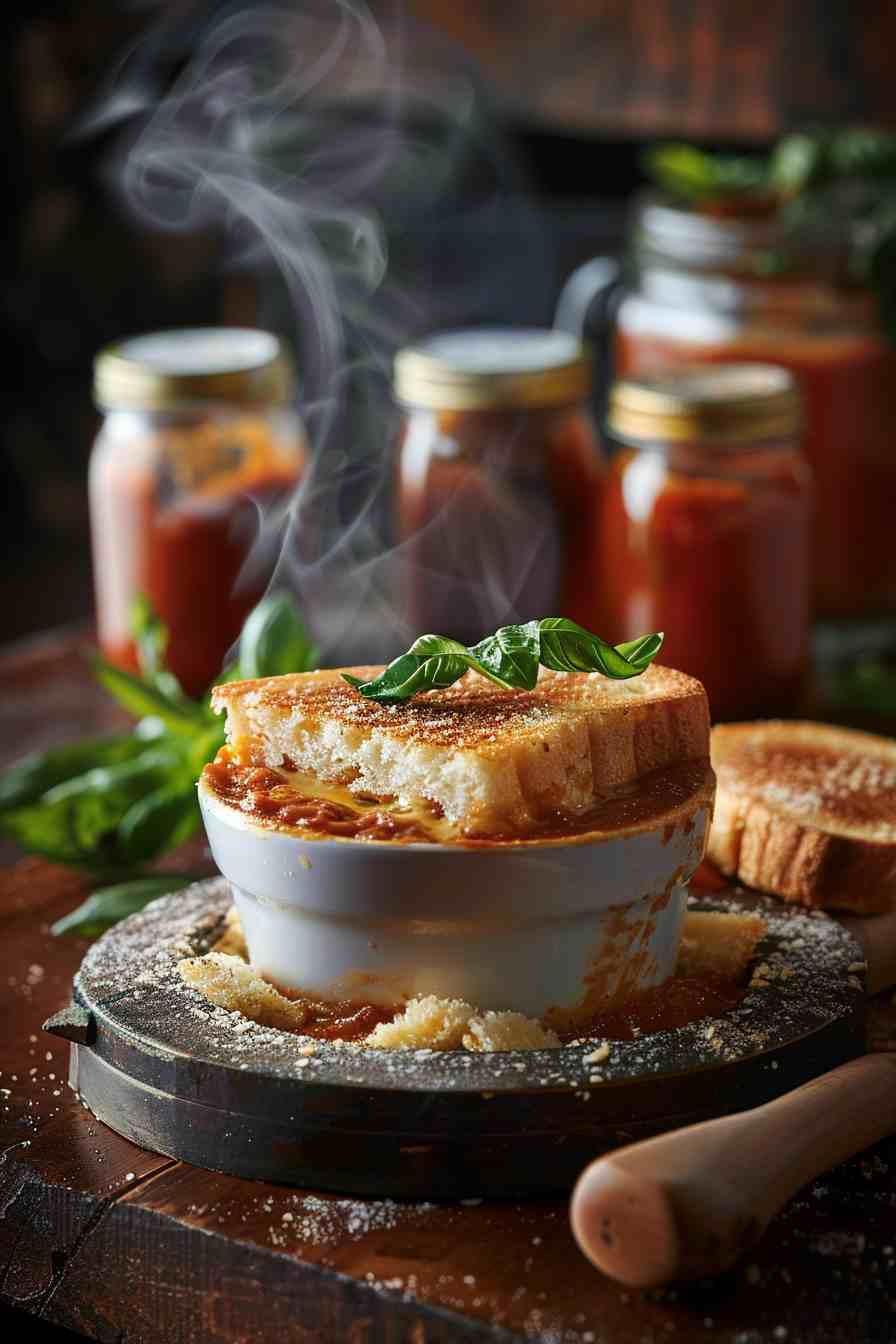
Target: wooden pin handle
point(876, 935)
point(691, 1202)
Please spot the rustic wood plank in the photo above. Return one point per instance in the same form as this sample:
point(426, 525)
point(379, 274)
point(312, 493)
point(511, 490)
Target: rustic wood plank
point(720, 68)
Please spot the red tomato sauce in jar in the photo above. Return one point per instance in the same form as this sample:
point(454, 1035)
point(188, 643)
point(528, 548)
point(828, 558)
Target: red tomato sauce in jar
point(497, 480)
point(848, 385)
point(709, 542)
point(197, 451)
point(192, 556)
point(518, 493)
point(720, 566)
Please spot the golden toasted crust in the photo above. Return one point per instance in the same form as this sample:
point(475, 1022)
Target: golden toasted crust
point(471, 714)
point(807, 812)
point(488, 757)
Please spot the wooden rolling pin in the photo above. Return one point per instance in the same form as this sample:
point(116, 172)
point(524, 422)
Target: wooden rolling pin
point(692, 1202)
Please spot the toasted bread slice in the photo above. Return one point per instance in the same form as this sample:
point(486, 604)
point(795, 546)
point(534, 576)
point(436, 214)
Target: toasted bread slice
point(489, 759)
point(807, 812)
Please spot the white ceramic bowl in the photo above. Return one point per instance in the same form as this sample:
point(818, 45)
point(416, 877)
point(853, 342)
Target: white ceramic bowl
point(526, 927)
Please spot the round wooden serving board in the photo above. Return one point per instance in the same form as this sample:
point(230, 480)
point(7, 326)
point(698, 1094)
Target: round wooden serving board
point(160, 1065)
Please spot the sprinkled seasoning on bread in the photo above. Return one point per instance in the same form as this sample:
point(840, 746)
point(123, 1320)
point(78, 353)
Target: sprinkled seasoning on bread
point(487, 758)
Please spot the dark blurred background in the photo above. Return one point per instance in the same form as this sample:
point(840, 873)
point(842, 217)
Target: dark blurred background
point(577, 88)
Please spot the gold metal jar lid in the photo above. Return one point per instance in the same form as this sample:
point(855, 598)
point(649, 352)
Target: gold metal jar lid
point(492, 368)
point(717, 403)
point(167, 369)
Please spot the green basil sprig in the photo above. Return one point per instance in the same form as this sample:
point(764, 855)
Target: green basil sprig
point(275, 641)
point(84, 820)
point(35, 774)
point(510, 658)
point(798, 162)
point(107, 906)
point(812, 178)
point(695, 174)
point(112, 805)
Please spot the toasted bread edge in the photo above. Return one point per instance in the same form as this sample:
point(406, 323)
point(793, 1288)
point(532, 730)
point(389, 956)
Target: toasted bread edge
point(797, 860)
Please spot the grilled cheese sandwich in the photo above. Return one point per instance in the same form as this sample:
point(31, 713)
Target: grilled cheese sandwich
point(484, 759)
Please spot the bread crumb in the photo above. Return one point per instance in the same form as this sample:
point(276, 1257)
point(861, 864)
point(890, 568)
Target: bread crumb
point(449, 1024)
point(231, 983)
point(429, 1021)
point(713, 943)
point(508, 1031)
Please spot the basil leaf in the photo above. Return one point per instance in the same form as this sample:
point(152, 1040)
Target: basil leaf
point(34, 774)
point(510, 658)
point(412, 673)
point(641, 652)
point(149, 729)
point(567, 647)
point(275, 641)
point(846, 174)
point(429, 646)
point(862, 151)
point(143, 700)
point(110, 904)
point(162, 820)
point(204, 748)
point(796, 161)
point(76, 822)
point(151, 637)
point(693, 174)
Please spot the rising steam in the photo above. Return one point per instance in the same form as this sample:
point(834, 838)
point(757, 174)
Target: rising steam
point(357, 170)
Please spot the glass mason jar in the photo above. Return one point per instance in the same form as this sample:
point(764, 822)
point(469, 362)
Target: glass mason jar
point(730, 288)
point(498, 481)
point(197, 449)
point(704, 531)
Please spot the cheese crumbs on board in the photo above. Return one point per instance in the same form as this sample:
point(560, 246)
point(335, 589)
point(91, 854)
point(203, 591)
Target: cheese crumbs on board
point(716, 943)
point(427, 1023)
point(509, 1031)
point(449, 1024)
point(712, 943)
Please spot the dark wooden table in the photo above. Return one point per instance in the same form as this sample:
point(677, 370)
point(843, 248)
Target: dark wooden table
point(121, 1245)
